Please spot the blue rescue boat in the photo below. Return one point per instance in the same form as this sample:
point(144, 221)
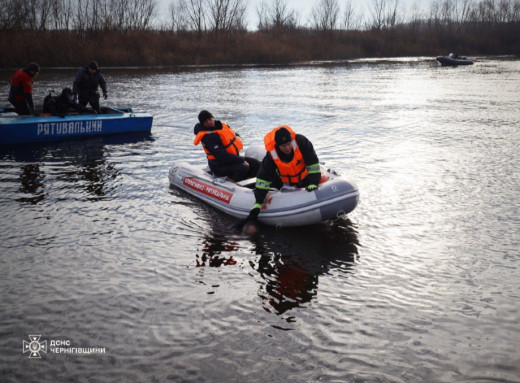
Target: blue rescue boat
point(16, 129)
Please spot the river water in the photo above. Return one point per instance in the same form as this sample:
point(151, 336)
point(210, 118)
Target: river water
point(419, 283)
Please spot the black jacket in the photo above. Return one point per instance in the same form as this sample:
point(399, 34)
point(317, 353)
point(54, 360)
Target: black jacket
point(87, 83)
point(213, 144)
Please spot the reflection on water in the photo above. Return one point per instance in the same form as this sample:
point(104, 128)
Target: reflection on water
point(31, 179)
point(76, 162)
point(291, 261)
point(213, 245)
point(418, 284)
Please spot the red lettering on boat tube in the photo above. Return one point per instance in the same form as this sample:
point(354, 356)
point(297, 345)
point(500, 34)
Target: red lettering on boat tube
point(209, 190)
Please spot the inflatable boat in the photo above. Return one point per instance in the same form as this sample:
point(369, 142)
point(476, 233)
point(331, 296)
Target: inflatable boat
point(452, 60)
point(290, 206)
point(16, 129)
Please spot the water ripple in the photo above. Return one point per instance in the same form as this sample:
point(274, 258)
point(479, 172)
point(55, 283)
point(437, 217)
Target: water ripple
point(419, 283)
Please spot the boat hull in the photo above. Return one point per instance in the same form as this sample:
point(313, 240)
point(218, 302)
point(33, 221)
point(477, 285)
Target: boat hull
point(334, 198)
point(450, 61)
point(15, 129)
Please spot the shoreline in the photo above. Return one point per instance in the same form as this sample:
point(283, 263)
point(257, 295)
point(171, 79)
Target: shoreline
point(310, 63)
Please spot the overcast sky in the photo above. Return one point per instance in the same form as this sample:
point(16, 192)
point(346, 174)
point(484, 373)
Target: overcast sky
point(304, 8)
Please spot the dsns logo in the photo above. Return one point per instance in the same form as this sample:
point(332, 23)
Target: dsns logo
point(34, 347)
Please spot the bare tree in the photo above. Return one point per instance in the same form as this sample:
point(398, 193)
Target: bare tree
point(416, 18)
point(277, 15)
point(195, 15)
point(226, 15)
point(385, 14)
point(349, 17)
point(378, 14)
point(515, 11)
point(177, 15)
point(462, 11)
point(14, 14)
point(325, 15)
point(81, 15)
point(141, 13)
point(392, 14)
point(61, 14)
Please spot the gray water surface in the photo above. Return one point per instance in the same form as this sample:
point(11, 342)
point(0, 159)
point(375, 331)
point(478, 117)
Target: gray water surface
point(419, 284)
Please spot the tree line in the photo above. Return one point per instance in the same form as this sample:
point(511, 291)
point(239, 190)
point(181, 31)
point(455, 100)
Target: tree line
point(230, 15)
point(121, 31)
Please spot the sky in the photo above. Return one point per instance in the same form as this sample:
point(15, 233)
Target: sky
point(304, 8)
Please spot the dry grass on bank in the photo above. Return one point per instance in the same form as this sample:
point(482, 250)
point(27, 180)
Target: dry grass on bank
point(163, 48)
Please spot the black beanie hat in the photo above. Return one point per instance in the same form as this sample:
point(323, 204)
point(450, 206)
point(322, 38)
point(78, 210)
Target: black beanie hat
point(204, 115)
point(282, 136)
point(33, 67)
point(93, 65)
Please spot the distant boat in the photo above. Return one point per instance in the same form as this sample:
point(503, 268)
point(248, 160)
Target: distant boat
point(453, 60)
point(16, 129)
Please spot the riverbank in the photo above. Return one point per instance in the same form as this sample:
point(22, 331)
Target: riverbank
point(165, 48)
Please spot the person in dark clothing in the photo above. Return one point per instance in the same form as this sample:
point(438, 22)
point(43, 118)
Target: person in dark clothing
point(21, 90)
point(290, 159)
point(63, 104)
point(86, 83)
point(222, 147)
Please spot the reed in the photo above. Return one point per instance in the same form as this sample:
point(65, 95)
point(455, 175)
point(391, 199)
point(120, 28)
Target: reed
point(66, 48)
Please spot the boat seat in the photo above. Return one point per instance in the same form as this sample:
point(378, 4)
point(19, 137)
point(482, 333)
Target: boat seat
point(247, 181)
point(208, 170)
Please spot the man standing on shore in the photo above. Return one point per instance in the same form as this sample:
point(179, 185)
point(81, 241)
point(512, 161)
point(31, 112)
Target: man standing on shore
point(85, 86)
point(21, 90)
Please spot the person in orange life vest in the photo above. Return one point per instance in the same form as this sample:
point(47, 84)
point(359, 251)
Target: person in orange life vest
point(222, 146)
point(21, 90)
point(290, 159)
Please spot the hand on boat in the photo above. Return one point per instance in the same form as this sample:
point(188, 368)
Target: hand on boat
point(311, 187)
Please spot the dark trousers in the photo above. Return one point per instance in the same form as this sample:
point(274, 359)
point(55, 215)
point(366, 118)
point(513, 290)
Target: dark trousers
point(22, 108)
point(237, 172)
point(91, 98)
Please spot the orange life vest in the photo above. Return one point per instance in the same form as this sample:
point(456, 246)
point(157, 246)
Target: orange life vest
point(230, 141)
point(290, 172)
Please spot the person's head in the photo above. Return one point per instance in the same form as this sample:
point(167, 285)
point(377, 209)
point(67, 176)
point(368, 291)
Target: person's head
point(251, 228)
point(283, 140)
point(67, 93)
point(206, 119)
point(33, 69)
point(92, 66)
